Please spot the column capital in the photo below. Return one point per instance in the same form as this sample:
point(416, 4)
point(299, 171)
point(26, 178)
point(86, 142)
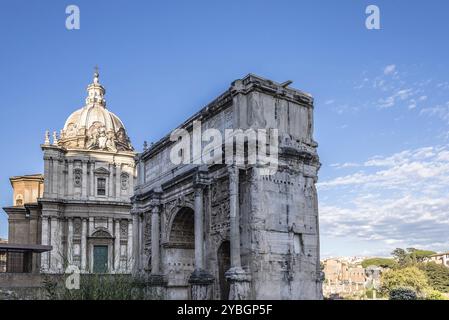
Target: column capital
point(201, 178)
point(155, 209)
point(155, 202)
point(233, 169)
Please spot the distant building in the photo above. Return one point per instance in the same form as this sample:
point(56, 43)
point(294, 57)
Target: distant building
point(22, 249)
point(439, 258)
point(22, 217)
point(343, 278)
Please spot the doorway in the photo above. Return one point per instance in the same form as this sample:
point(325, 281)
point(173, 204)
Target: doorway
point(100, 259)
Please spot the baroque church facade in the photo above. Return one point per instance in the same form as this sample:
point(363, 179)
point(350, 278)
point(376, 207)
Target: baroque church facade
point(89, 176)
point(80, 207)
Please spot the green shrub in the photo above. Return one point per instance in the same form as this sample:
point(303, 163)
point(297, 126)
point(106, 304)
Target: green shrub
point(437, 274)
point(403, 293)
point(409, 277)
point(99, 287)
point(432, 294)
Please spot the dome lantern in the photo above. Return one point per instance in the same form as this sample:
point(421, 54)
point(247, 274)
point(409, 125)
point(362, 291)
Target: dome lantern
point(94, 127)
point(96, 92)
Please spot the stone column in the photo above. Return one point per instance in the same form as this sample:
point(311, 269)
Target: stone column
point(59, 178)
point(70, 179)
point(45, 255)
point(84, 181)
point(200, 280)
point(56, 251)
point(83, 245)
point(234, 216)
point(141, 241)
point(70, 241)
point(239, 279)
point(155, 239)
point(157, 282)
point(199, 228)
point(117, 246)
point(111, 186)
point(47, 182)
point(136, 244)
point(118, 172)
point(129, 255)
point(54, 177)
point(92, 179)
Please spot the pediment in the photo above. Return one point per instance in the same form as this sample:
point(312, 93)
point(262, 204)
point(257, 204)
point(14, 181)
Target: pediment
point(101, 234)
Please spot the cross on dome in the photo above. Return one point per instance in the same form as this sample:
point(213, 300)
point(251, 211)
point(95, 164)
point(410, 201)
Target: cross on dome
point(96, 75)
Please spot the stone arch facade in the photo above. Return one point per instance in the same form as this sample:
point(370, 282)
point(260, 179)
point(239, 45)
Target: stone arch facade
point(182, 230)
point(172, 215)
point(266, 214)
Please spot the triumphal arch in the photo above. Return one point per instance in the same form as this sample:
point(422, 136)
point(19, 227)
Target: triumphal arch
point(211, 225)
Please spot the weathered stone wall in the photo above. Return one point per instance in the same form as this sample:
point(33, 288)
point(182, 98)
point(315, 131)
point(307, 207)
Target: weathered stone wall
point(25, 286)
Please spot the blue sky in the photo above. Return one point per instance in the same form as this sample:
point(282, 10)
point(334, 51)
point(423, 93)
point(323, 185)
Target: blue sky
point(381, 96)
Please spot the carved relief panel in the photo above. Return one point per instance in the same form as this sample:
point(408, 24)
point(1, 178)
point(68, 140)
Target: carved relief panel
point(123, 230)
point(124, 181)
point(220, 206)
point(77, 177)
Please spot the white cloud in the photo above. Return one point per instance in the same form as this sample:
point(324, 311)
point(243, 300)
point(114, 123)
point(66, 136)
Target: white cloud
point(443, 85)
point(400, 95)
point(390, 69)
point(440, 111)
point(400, 200)
point(345, 165)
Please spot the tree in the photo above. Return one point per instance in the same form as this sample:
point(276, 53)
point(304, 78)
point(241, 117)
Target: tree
point(401, 256)
point(411, 256)
point(379, 262)
point(419, 255)
point(410, 277)
point(437, 275)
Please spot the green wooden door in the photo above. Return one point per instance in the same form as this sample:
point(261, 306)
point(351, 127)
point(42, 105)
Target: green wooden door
point(100, 259)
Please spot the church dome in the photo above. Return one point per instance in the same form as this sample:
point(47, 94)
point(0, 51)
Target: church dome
point(94, 127)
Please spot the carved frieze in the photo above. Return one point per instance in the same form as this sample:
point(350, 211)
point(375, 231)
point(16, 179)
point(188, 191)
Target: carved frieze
point(77, 226)
point(123, 229)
